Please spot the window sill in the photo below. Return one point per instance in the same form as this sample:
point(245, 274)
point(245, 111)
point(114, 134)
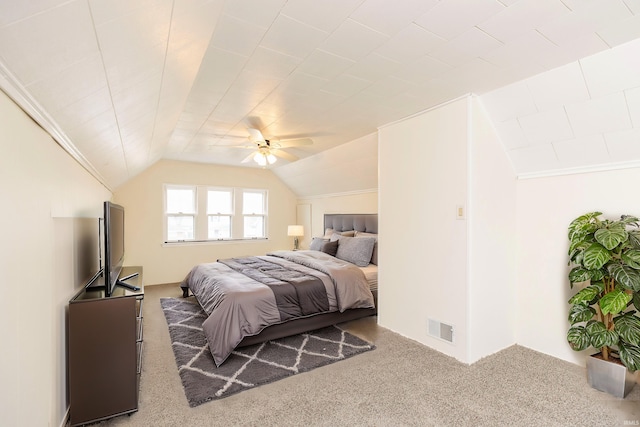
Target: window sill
point(171, 244)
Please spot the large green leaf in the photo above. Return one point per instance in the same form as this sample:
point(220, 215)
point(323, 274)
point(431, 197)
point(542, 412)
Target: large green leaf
point(628, 326)
point(587, 294)
point(596, 275)
point(636, 300)
point(583, 225)
point(611, 237)
point(578, 338)
point(595, 257)
point(579, 274)
point(580, 313)
point(632, 258)
point(625, 276)
point(629, 220)
point(629, 355)
point(614, 302)
point(634, 238)
point(600, 335)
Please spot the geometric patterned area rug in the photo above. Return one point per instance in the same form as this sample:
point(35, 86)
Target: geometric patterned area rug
point(251, 366)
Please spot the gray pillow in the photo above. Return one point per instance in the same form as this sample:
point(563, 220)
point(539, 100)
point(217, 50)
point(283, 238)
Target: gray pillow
point(374, 255)
point(316, 243)
point(330, 248)
point(356, 250)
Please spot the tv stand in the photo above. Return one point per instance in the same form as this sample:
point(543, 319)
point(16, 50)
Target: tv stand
point(105, 350)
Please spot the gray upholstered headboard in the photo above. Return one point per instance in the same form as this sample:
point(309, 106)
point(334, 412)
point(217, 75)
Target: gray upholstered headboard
point(344, 222)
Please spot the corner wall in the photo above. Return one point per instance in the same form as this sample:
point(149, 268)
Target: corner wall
point(43, 189)
point(545, 207)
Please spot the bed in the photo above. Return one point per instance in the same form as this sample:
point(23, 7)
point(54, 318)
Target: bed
point(255, 299)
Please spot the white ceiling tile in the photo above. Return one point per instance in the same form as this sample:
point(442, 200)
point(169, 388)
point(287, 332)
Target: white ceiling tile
point(463, 48)
point(279, 38)
point(54, 40)
point(84, 109)
point(236, 35)
point(623, 146)
point(373, 67)
point(345, 85)
point(632, 96)
point(583, 151)
point(388, 87)
point(450, 18)
point(559, 86)
point(272, 63)
point(390, 17)
point(353, 40)
point(326, 15)
point(106, 10)
point(422, 69)
point(621, 31)
point(410, 43)
point(532, 50)
point(509, 102)
point(325, 65)
point(11, 11)
point(634, 5)
point(600, 115)
point(260, 13)
point(584, 20)
point(70, 85)
point(511, 134)
point(613, 70)
point(521, 17)
point(534, 159)
point(546, 126)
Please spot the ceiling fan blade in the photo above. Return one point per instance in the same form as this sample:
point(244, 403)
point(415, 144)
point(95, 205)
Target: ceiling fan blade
point(249, 157)
point(255, 135)
point(284, 155)
point(284, 143)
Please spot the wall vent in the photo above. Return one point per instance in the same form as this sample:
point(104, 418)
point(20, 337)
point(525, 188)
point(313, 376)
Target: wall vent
point(441, 330)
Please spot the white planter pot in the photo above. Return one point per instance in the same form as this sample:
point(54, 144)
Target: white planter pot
point(610, 377)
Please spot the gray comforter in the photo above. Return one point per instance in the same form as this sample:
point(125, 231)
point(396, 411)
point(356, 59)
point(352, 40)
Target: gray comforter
point(239, 305)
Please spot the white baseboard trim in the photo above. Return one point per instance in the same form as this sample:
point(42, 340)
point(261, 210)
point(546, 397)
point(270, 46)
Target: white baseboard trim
point(65, 419)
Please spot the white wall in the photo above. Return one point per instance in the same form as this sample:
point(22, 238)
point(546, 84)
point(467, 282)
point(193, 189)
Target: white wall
point(545, 207)
point(142, 198)
point(491, 239)
point(436, 264)
point(423, 177)
point(40, 185)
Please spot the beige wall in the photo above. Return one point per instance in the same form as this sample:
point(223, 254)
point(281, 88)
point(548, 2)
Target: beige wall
point(142, 198)
point(42, 189)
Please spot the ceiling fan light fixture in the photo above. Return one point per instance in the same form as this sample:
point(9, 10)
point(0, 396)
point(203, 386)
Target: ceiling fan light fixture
point(260, 159)
point(271, 159)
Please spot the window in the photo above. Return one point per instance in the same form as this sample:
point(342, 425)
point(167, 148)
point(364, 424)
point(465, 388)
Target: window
point(199, 213)
point(254, 212)
point(181, 212)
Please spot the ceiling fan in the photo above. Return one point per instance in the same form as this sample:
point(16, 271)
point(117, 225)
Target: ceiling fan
point(266, 151)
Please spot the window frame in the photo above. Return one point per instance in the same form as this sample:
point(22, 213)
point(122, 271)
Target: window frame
point(201, 215)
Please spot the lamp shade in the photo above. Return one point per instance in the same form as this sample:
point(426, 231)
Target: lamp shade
point(295, 230)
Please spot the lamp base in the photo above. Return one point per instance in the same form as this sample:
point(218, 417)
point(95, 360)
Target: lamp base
point(295, 243)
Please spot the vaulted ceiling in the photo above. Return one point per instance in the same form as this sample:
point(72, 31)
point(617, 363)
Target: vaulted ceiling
point(123, 83)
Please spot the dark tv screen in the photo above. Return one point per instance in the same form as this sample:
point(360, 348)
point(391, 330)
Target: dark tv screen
point(113, 244)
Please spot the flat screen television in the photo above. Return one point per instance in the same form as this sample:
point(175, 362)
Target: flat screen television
point(113, 239)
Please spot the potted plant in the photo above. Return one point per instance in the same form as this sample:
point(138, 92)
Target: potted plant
point(605, 256)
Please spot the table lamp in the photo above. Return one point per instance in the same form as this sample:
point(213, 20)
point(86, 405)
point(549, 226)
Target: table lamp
point(295, 231)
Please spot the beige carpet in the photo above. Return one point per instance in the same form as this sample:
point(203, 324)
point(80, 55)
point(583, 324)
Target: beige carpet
point(401, 383)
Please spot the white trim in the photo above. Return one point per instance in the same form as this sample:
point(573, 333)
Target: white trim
point(65, 419)
point(579, 170)
point(435, 107)
point(346, 193)
point(21, 96)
